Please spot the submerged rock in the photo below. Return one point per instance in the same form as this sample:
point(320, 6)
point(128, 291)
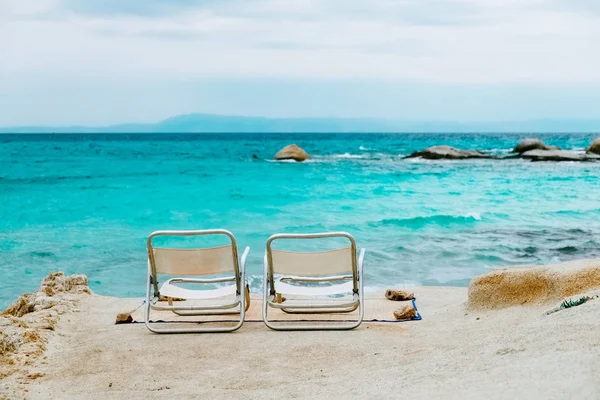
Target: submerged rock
point(558, 155)
point(447, 153)
point(532, 144)
point(529, 285)
point(594, 147)
point(292, 152)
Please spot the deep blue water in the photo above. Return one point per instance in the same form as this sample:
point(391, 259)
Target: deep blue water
point(86, 203)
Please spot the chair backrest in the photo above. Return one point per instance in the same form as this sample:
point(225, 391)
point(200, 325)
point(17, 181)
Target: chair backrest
point(331, 262)
point(321, 263)
point(193, 262)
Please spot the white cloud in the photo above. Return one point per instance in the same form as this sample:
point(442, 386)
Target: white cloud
point(436, 41)
point(118, 42)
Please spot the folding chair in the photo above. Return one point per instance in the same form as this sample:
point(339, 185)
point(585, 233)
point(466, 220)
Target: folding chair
point(303, 275)
point(190, 266)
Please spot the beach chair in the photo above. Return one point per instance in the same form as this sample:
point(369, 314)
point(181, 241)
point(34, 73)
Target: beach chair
point(192, 266)
point(312, 283)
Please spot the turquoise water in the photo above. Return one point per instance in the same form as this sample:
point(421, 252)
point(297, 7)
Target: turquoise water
point(86, 203)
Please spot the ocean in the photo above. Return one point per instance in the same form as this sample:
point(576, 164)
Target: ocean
point(86, 203)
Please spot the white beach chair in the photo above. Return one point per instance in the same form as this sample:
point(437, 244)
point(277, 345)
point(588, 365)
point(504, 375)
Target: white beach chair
point(188, 265)
point(338, 268)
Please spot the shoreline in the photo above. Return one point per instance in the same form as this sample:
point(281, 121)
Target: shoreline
point(453, 352)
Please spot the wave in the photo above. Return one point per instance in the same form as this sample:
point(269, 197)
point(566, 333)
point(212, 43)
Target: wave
point(439, 219)
point(348, 155)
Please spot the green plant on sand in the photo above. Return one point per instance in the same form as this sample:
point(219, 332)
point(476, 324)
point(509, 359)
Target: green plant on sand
point(568, 303)
point(574, 303)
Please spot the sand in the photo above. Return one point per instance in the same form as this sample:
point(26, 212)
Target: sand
point(519, 352)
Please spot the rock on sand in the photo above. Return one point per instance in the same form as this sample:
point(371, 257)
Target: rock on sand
point(25, 324)
point(531, 285)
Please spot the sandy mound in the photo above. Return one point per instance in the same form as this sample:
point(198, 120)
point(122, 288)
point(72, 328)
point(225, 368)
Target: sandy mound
point(528, 285)
point(25, 324)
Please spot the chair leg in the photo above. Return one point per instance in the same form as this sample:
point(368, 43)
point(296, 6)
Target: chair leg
point(154, 327)
point(299, 310)
point(311, 327)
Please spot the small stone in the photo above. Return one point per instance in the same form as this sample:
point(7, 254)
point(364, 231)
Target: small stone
point(124, 318)
point(407, 311)
point(399, 295)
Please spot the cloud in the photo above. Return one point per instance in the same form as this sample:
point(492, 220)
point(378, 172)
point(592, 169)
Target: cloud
point(436, 41)
point(117, 42)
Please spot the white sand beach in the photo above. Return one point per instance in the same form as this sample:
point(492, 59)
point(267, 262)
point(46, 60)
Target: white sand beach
point(516, 352)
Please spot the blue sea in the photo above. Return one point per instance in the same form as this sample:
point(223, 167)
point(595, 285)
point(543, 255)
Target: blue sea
point(86, 203)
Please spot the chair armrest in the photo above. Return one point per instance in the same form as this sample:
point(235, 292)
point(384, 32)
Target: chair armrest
point(243, 261)
point(361, 259)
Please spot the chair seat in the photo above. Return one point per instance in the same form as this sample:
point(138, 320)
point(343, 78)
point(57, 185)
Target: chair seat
point(170, 290)
point(285, 288)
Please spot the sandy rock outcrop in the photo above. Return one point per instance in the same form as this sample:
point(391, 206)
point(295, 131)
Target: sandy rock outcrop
point(292, 152)
point(25, 324)
point(558, 155)
point(594, 147)
point(447, 153)
point(533, 285)
point(532, 144)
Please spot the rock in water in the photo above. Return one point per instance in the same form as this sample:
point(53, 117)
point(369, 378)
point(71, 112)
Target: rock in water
point(558, 155)
point(530, 285)
point(399, 295)
point(292, 152)
point(595, 146)
point(407, 311)
point(532, 144)
point(447, 153)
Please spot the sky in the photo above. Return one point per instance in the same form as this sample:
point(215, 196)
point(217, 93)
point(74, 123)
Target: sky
point(113, 61)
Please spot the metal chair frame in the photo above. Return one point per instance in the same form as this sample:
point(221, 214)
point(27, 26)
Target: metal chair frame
point(239, 277)
point(271, 294)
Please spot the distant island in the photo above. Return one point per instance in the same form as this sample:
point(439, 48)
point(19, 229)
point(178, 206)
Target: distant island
point(212, 123)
